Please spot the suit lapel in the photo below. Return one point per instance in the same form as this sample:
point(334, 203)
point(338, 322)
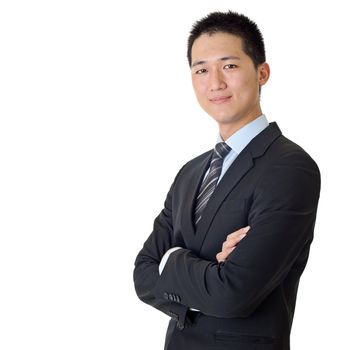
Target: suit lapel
point(242, 164)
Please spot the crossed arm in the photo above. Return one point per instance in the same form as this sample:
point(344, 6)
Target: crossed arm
point(228, 247)
point(281, 218)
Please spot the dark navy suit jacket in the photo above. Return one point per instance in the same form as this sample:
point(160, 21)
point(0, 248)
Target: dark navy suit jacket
point(248, 301)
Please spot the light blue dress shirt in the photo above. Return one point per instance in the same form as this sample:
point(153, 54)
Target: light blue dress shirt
point(240, 139)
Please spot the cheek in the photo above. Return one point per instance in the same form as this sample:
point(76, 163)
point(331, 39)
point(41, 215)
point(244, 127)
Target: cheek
point(240, 82)
point(243, 86)
point(199, 88)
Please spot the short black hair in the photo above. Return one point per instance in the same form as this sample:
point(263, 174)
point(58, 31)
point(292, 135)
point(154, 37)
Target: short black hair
point(231, 23)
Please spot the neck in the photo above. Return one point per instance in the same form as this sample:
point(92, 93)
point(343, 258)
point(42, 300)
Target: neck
point(227, 130)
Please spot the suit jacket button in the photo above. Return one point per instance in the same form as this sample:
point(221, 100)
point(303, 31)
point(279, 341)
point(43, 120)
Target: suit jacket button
point(166, 296)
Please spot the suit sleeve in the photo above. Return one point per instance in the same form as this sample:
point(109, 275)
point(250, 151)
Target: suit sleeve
point(146, 273)
point(282, 218)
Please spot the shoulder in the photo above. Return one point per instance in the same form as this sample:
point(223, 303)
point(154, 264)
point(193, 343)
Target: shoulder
point(286, 152)
point(286, 168)
point(197, 161)
point(193, 164)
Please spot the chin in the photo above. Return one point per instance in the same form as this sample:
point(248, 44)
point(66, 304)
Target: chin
point(224, 119)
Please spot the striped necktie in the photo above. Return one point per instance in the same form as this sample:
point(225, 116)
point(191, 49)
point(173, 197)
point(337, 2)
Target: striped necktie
point(208, 185)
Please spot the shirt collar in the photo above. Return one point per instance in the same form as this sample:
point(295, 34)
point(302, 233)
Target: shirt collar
point(240, 139)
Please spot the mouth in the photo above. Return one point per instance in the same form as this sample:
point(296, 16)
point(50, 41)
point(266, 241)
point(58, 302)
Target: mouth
point(219, 99)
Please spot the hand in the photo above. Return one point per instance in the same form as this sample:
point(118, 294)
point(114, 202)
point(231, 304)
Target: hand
point(231, 243)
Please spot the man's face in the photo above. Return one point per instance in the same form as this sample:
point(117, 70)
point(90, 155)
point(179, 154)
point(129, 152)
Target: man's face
point(225, 80)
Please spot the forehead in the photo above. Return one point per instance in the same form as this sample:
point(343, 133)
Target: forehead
point(208, 46)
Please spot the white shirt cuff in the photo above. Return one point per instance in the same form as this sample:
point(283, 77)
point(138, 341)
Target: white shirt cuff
point(165, 258)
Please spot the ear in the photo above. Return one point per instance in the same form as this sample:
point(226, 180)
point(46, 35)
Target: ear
point(263, 73)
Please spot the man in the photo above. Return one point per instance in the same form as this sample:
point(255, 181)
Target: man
point(227, 251)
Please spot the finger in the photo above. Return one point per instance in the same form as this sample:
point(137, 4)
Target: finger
point(234, 240)
point(222, 256)
point(230, 243)
point(226, 245)
point(242, 231)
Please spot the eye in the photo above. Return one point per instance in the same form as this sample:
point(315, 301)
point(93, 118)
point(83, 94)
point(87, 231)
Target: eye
point(201, 71)
point(230, 66)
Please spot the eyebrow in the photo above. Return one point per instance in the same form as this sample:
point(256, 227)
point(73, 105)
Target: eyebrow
point(225, 58)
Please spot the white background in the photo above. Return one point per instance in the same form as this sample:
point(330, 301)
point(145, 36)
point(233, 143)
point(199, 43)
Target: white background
point(98, 114)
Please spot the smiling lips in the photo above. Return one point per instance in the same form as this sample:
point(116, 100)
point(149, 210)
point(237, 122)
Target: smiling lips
point(219, 99)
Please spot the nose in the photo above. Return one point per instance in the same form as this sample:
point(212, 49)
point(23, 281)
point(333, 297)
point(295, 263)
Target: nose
point(217, 81)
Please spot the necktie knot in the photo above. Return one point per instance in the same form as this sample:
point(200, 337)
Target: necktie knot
point(222, 149)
